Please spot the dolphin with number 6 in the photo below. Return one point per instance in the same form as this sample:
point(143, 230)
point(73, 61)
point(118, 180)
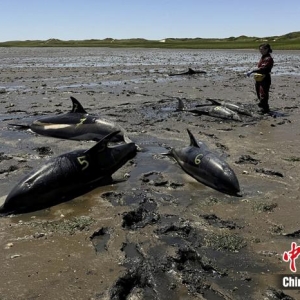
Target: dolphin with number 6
point(68, 176)
point(206, 167)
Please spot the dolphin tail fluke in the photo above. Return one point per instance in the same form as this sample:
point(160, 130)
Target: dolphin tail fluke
point(102, 144)
point(128, 140)
point(77, 107)
point(193, 141)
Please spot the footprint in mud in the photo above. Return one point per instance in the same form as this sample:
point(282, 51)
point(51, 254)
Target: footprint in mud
point(154, 178)
point(115, 198)
point(6, 167)
point(269, 172)
point(144, 215)
point(247, 159)
point(100, 239)
point(43, 151)
point(157, 275)
point(148, 276)
point(136, 282)
point(158, 179)
point(212, 219)
point(174, 230)
point(10, 169)
point(4, 156)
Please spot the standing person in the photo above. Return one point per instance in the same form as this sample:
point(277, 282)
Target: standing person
point(262, 77)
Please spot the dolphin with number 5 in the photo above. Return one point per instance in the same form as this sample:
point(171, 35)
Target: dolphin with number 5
point(68, 176)
point(206, 167)
point(77, 124)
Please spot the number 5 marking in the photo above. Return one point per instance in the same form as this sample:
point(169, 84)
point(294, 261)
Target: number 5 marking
point(82, 160)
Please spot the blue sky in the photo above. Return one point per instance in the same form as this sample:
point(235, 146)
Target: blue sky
point(150, 19)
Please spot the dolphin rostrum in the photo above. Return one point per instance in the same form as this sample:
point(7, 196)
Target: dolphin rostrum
point(206, 167)
point(68, 176)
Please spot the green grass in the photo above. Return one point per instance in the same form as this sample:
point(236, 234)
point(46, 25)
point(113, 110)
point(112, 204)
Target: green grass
point(290, 41)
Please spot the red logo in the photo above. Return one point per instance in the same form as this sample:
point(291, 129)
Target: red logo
point(291, 256)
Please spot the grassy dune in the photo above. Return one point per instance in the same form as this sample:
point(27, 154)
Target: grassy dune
point(290, 41)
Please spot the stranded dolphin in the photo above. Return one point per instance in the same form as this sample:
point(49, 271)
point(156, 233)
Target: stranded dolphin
point(231, 106)
point(199, 162)
point(68, 176)
point(189, 72)
point(210, 110)
point(76, 125)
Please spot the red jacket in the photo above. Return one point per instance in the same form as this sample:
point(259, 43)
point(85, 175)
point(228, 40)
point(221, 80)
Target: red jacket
point(265, 64)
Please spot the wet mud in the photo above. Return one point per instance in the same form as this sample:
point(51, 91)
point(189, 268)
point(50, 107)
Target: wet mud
point(155, 233)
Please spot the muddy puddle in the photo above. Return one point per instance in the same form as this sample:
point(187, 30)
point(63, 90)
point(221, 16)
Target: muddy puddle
point(156, 233)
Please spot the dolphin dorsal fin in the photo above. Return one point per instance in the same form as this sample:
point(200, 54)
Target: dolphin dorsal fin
point(193, 141)
point(213, 101)
point(77, 107)
point(191, 71)
point(180, 105)
point(102, 144)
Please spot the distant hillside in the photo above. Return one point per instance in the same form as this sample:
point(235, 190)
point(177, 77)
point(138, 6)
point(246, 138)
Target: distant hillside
point(289, 41)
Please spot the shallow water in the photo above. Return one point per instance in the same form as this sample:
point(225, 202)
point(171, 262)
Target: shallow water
point(285, 61)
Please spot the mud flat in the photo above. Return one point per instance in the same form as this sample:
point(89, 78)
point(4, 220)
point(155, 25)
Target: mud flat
point(159, 234)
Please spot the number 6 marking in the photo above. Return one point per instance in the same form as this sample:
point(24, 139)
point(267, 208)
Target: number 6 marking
point(198, 159)
point(82, 160)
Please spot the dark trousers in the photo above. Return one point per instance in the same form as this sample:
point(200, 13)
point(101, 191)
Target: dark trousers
point(262, 91)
